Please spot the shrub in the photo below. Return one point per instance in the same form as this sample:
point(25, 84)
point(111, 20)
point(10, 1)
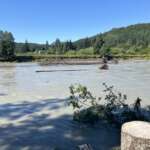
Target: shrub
point(86, 51)
point(88, 108)
point(70, 53)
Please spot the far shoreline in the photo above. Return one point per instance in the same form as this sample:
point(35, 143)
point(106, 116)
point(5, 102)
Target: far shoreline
point(69, 60)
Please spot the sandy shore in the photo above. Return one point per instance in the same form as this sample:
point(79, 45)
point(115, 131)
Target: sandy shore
point(71, 61)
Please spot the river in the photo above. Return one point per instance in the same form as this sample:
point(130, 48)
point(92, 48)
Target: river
point(33, 110)
point(21, 82)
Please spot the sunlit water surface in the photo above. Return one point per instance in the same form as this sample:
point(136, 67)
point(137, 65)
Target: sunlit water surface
point(21, 82)
point(33, 112)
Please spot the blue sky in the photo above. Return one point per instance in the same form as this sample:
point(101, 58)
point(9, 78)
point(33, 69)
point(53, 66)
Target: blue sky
point(41, 20)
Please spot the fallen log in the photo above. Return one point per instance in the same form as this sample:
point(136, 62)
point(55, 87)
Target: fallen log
point(40, 71)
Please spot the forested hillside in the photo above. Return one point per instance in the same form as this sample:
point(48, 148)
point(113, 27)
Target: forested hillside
point(131, 39)
point(134, 39)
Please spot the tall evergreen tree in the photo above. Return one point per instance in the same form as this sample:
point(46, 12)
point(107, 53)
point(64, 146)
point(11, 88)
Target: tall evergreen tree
point(26, 47)
point(98, 45)
point(47, 45)
point(7, 44)
point(58, 47)
point(68, 45)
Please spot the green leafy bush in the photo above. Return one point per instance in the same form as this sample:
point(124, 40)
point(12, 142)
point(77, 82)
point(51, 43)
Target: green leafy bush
point(88, 109)
point(86, 51)
point(70, 53)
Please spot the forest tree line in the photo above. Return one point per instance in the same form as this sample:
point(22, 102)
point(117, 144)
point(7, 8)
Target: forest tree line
point(132, 39)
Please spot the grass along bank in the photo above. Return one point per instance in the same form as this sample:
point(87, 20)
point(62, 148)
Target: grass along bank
point(74, 56)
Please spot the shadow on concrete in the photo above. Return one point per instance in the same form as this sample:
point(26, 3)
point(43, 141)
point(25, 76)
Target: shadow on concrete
point(28, 127)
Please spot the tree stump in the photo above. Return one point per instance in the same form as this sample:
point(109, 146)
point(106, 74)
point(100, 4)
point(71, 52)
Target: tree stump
point(135, 136)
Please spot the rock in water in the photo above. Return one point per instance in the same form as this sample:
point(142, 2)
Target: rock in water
point(135, 136)
point(104, 67)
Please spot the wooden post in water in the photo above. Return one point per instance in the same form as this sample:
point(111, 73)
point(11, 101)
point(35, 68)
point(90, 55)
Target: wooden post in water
point(135, 136)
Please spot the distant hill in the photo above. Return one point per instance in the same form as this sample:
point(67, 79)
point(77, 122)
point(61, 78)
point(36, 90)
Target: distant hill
point(138, 35)
point(33, 46)
point(132, 39)
point(133, 36)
